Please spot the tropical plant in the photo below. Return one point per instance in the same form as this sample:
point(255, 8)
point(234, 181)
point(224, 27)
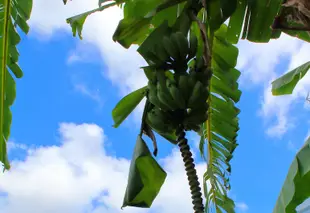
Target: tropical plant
point(13, 14)
point(192, 85)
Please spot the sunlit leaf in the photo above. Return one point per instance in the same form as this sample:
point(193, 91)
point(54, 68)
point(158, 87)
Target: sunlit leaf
point(125, 106)
point(286, 83)
point(296, 187)
point(145, 177)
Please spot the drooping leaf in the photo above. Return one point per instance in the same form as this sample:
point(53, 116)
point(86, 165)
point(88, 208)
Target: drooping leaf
point(145, 177)
point(132, 31)
point(255, 18)
point(296, 187)
point(236, 22)
point(286, 83)
point(77, 22)
point(220, 130)
point(219, 11)
point(125, 106)
point(13, 13)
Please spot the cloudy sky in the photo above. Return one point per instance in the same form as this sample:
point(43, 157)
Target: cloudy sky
point(67, 158)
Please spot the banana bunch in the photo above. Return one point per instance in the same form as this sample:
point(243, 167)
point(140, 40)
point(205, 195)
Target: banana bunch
point(179, 96)
point(175, 51)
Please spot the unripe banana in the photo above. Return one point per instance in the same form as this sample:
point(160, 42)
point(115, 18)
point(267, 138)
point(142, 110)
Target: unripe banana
point(171, 48)
point(165, 97)
point(196, 119)
point(176, 95)
point(185, 87)
point(152, 96)
point(193, 45)
point(182, 43)
point(200, 63)
point(190, 126)
point(197, 116)
point(159, 121)
point(161, 53)
point(155, 122)
point(199, 95)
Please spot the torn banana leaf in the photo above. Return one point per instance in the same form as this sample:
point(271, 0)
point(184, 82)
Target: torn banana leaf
point(145, 177)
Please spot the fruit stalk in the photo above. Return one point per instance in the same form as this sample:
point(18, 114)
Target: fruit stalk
point(190, 171)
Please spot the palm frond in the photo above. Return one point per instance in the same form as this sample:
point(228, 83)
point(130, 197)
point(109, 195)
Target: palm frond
point(13, 13)
point(220, 130)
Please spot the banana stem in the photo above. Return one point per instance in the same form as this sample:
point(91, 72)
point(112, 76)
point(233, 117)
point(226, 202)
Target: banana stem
point(190, 171)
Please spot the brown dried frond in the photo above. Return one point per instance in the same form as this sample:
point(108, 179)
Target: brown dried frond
point(303, 6)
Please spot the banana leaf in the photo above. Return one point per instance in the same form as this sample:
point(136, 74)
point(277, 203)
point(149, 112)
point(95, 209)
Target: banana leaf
point(296, 187)
point(126, 105)
point(13, 14)
point(219, 138)
point(286, 83)
point(146, 177)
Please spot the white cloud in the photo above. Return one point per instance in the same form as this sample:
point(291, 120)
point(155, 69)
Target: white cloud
point(69, 177)
point(281, 106)
point(242, 206)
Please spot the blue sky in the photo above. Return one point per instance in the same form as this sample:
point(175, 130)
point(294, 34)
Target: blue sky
point(66, 157)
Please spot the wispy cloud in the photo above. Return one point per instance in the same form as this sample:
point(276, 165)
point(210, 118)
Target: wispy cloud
point(92, 94)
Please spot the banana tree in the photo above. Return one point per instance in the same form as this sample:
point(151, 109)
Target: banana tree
point(192, 85)
point(13, 14)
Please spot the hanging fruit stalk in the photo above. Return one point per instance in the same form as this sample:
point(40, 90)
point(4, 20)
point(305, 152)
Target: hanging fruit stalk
point(190, 171)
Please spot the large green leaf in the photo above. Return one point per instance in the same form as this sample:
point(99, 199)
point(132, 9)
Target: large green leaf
point(220, 130)
point(125, 106)
point(296, 187)
point(219, 11)
point(13, 13)
point(145, 177)
point(286, 83)
point(256, 18)
point(132, 31)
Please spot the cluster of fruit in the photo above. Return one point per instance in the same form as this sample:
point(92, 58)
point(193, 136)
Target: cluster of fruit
point(179, 94)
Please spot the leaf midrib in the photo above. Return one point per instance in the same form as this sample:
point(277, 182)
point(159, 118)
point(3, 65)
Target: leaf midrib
point(7, 8)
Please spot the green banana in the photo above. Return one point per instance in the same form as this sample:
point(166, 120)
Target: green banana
point(193, 45)
point(199, 95)
point(163, 93)
point(161, 53)
point(165, 98)
point(185, 87)
point(200, 63)
point(197, 116)
point(152, 97)
point(176, 94)
point(195, 119)
point(170, 48)
point(182, 43)
point(159, 121)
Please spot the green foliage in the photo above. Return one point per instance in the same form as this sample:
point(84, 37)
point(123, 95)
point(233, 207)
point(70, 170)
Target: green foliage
point(144, 23)
point(145, 177)
point(220, 130)
point(127, 105)
point(13, 13)
point(286, 83)
point(296, 187)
